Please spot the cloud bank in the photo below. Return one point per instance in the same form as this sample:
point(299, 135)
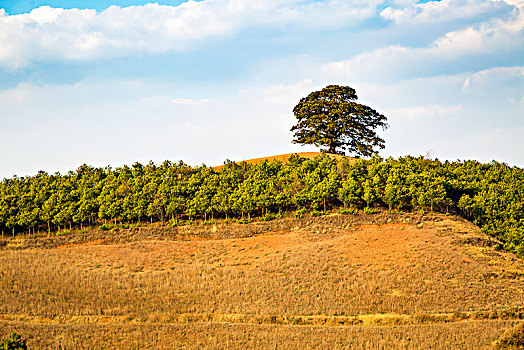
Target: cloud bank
point(494, 37)
point(218, 79)
point(48, 34)
point(440, 11)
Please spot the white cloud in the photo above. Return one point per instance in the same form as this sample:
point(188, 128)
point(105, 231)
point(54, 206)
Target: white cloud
point(489, 37)
point(518, 3)
point(500, 85)
point(47, 34)
point(438, 11)
point(495, 36)
point(496, 79)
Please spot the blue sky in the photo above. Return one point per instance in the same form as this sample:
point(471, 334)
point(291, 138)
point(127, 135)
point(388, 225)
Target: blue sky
point(111, 83)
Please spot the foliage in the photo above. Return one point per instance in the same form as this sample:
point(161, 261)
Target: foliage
point(300, 213)
point(331, 118)
point(13, 341)
point(346, 211)
point(270, 217)
point(368, 210)
point(490, 195)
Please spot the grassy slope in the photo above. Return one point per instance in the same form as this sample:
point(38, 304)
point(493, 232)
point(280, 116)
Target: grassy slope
point(398, 280)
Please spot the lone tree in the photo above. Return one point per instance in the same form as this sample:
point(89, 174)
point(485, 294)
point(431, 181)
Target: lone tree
point(331, 118)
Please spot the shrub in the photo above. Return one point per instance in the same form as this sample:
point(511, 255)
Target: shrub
point(368, 210)
point(346, 211)
point(316, 213)
point(269, 217)
point(135, 226)
point(13, 341)
point(300, 213)
point(64, 233)
point(105, 227)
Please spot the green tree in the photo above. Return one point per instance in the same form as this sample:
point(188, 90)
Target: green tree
point(395, 191)
point(351, 192)
point(13, 341)
point(370, 193)
point(321, 180)
point(229, 179)
point(331, 118)
point(290, 179)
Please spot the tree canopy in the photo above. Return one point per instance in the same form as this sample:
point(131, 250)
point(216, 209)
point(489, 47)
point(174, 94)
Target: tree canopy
point(331, 118)
point(490, 195)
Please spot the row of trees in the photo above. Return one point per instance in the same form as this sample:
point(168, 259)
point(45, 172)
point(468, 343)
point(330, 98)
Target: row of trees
point(491, 195)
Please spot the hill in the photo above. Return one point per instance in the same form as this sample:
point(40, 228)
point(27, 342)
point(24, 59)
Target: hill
point(490, 195)
point(285, 157)
point(386, 280)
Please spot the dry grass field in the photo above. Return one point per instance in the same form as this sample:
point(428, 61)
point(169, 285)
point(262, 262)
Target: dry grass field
point(360, 282)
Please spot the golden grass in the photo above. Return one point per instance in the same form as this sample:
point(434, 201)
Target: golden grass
point(335, 278)
point(461, 335)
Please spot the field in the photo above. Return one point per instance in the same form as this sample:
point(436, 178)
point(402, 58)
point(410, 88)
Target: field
point(356, 281)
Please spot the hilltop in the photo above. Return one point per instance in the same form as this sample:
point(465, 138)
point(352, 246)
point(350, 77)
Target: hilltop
point(285, 157)
point(336, 281)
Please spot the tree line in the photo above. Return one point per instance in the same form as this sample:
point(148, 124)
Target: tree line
point(491, 195)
